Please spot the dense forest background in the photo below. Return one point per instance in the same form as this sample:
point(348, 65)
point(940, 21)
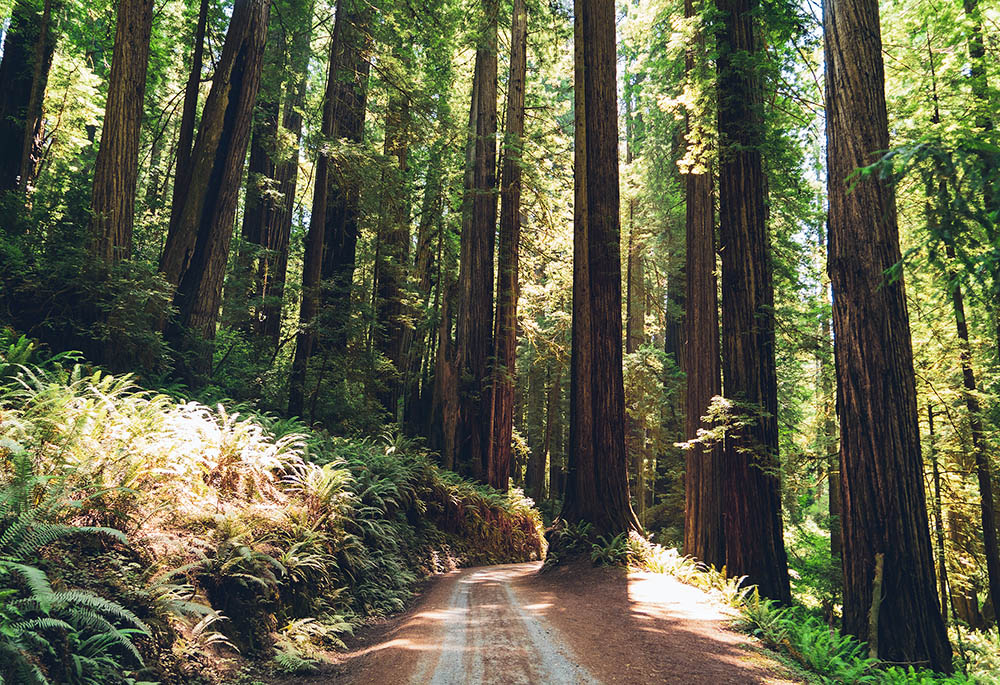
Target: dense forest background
point(365, 213)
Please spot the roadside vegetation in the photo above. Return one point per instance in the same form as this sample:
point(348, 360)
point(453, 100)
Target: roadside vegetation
point(146, 537)
point(800, 632)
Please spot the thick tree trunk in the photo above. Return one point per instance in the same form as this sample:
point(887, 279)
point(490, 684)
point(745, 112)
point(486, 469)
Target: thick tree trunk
point(505, 338)
point(703, 538)
point(610, 511)
point(580, 501)
point(312, 262)
point(117, 167)
point(198, 266)
point(884, 505)
point(751, 499)
point(342, 212)
point(28, 46)
point(475, 315)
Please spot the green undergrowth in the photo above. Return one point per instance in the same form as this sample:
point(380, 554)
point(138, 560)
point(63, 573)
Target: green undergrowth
point(144, 538)
point(793, 632)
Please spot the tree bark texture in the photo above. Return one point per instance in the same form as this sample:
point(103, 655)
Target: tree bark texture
point(196, 251)
point(611, 511)
point(580, 499)
point(703, 534)
point(505, 337)
point(24, 73)
point(884, 505)
point(342, 211)
point(475, 314)
point(751, 499)
point(117, 167)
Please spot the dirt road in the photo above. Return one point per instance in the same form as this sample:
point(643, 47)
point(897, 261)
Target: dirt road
point(511, 625)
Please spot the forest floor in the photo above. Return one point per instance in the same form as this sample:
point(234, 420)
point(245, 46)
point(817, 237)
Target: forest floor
point(574, 624)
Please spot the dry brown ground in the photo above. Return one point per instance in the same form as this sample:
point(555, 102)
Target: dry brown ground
point(576, 624)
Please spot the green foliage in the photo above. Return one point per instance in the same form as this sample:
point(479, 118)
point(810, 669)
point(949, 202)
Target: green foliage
point(267, 523)
point(47, 634)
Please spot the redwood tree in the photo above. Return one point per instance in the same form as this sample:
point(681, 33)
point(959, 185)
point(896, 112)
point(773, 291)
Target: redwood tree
point(751, 497)
point(702, 475)
point(884, 513)
point(505, 337)
point(117, 165)
point(475, 312)
point(28, 45)
point(197, 247)
point(599, 491)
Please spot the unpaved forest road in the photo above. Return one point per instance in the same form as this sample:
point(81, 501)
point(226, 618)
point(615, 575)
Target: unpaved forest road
point(511, 625)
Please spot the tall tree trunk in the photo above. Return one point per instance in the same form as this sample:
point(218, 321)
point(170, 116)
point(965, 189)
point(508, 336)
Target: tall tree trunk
point(828, 442)
point(535, 426)
point(421, 348)
point(475, 314)
point(185, 139)
point(979, 83)
point(394, 241)
point(28, 46)
point(580, 499)
point(610, 511)
point(117, 166)
point(752, 490)
point(505, 337)
point(198, 266)
point(884, 505)
point(979, 444)
point(938, 518)
point(312, 262)
point(703, 534)
point(342, 212)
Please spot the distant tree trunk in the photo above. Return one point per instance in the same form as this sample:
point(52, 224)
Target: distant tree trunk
point(117, 168)
point(557, 453)
point(475, 314)
point(273, 266)
point(752, 491)
point(604, 427)
point(832, 454)
point(198, 266)
point(635, 321)
point(421, 348)
point(979, 443)
point(185, 140)
point(535, 426)
point(505, 337)
point(980, 86)
point(312, 262)
point(342, 212)
point(28, 46)
point(394, 240)
point(938, 518)
point(885, 511)
point(444, 411)
point(552, 410)
point(703, 535)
